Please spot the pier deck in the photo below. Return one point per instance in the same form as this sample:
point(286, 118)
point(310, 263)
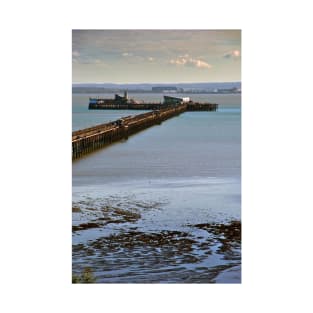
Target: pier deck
point(93, 138)
point(191, 106)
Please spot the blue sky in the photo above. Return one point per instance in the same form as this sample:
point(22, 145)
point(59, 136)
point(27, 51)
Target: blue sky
point(148, 56)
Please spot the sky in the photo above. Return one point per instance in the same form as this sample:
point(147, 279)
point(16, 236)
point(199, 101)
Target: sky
point(151, 56)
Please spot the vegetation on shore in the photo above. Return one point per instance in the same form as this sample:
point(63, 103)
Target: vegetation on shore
point(86, 277)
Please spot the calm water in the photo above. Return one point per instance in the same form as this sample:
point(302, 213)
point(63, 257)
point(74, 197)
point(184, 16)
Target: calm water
point(154, 208)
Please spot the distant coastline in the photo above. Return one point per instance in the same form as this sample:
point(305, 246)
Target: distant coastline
point(109, 91)
point(181, 88)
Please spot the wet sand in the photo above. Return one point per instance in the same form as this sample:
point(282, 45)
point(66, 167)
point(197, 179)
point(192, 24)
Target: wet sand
point(202, 253)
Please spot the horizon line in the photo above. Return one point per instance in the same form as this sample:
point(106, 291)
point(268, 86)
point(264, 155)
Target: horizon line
point(120, 83)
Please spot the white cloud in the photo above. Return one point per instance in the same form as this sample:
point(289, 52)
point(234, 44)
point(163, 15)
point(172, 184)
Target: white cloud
point(126, 54)
point(232, 54)
point(89, 61)
point(151, 59)
point(97, 61)
point(186, 60)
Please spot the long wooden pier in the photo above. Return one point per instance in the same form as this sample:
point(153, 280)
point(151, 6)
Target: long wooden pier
point(90, 139)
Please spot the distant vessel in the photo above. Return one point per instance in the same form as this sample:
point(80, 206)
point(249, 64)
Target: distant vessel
point(117, 100)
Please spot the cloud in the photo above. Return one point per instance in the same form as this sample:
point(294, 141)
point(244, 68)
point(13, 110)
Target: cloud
point(89, 61)
point(126, 54)
point(232, 54)
point(151, 59)
point(186, 60)
point(166, 43)
point(98, 61)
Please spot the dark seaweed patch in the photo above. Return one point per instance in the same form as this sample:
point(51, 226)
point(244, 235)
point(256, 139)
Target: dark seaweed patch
point(109, 216)
point(228, 235)
point(168, 255)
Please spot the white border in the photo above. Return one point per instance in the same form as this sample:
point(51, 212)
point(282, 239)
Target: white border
point(36, 160)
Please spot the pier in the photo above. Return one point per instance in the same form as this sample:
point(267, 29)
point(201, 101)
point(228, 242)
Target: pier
point(93, 138)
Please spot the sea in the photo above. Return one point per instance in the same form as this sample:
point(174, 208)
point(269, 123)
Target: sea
point(163, 206)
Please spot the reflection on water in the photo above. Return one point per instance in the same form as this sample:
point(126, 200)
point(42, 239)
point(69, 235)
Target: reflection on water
point(163, 206)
